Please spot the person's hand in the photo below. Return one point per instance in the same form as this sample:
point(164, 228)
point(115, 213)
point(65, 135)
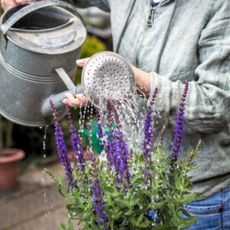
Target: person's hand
point(79, 99)
point(7, 4)
point(75, 101)
point(81, 62)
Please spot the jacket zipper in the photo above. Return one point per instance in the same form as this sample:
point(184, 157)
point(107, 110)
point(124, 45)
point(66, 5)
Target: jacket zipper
point(151, 17)
point(146, 31)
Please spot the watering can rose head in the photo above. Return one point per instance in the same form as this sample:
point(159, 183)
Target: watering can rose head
point(106, 77)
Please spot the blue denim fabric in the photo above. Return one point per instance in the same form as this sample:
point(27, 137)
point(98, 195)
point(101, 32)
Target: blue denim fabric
point(213, 212)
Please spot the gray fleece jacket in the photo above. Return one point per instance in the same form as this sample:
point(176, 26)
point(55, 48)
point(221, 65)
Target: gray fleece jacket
point(188, 40)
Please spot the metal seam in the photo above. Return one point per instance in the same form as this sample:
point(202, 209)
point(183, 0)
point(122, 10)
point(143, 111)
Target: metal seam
point(26, 76)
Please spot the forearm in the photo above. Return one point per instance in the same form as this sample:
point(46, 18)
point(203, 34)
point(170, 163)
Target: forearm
point(142, 80)
point(206, 105)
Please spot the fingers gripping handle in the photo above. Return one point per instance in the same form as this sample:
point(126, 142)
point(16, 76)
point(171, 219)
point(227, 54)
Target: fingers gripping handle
point(57, 100)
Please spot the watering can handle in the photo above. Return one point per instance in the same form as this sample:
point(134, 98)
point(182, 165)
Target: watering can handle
point(57, 99)
point(33, 7)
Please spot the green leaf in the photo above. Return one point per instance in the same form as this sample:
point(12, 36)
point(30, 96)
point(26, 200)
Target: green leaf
point(62, 227)
point(141, 221)
point(60, 187)
point(187, 222)
point(70, 226)
point(116, 214)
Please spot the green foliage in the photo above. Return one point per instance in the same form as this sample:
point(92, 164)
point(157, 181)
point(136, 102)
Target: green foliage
point(166, 190)
point(91, 46)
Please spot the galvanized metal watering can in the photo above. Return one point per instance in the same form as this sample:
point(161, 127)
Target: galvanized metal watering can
point(39, 45)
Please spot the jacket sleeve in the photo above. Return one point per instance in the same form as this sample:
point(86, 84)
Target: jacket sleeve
point(208, 101)
point(102, 4)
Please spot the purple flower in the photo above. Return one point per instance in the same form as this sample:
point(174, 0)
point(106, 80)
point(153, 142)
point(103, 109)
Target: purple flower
point(115, 146)
point(153, 98)
point(119, 166)
point(148, 142)
point(112, 115)
point(120, 148)
point(110, 150)
point(61, 147)
point(149, 131)
point(75, 141)
point(149, 136)
point(121, 156)
point(99, 129)
point(179, 130)
point(125, 156)
point(98, 199)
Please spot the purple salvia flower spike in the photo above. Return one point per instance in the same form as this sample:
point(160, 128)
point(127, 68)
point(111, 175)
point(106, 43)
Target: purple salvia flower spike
point(148, 142)
point(153, 97)
point(179, 130)
point(110, 149)
point(117, 150)
point(121, 153)
point(99, 128)
point(98, 199)
point(75, 141)
point(61, 147)
point(125, 154)
point(119, 167)
point(149, 136)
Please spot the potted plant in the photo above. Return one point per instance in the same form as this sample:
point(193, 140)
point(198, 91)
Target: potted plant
point(9, 157)
point(124, 189)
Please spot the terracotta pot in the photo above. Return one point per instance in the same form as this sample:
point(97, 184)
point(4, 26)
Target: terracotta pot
point(9, 168)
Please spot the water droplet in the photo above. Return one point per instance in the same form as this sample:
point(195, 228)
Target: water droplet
point(44, 138)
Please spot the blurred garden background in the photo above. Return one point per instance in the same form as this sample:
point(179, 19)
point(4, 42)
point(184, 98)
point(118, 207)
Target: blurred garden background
point(35, 203)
